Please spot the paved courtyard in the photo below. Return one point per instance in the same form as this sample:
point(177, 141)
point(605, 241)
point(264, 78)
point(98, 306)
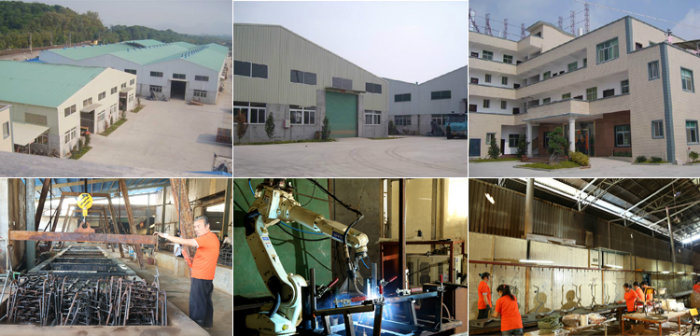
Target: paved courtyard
point(600, 167)
point(355, 157)
point(170, 136)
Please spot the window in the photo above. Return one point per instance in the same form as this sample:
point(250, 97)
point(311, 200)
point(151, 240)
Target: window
point(566, 96)
point(687, 80)
point(435, 95)
point(657, 129)
point(6, 130)
point(101, 116)
point(113, 91)
point(302, 115)
point(474, 80)
point(73, 133)
point(373, 88)
point(490, 137)
point(608, 93)
point(572, 66)
point(253, 113)
point(638, 46)
point(259, 71)
point(533, 103)
point(513, 140)
point(439, 119)
point(179, 76)
point(200, 93)
point(547, 75)
point(342, 83)
point(508, 59)
point(607, 51)
point(124, 85)
point(546, 100)
point(653, 70)
point(403, 97)
point(87, 102)
point(131, 82)
point(296, 76)
point(66, 137)
point(487, 78)
point(472, 107)
point(69, 110)
point(504, 104)
point(623, 136)
point(372, 117)
point(241, 68)
point(585, 62)
point(691, 131)
point(201, 78)
point(474, 54)
point(487, 55)
point(592, 93)
point(102, 95)
point(156, 74)
point(504, 80)
point(131, 71)
point(487, 103)
point(156, 88)
point(625, 86)
point(402, 120)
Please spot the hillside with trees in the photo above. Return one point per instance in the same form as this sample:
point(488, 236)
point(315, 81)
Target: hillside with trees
point(57, 25)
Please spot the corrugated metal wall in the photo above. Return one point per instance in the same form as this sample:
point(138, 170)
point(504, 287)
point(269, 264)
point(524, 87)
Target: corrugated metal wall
point(505, 218)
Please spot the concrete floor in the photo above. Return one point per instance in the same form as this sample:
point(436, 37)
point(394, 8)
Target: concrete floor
point(411, 156)
point(170, 136)
point(599, 167)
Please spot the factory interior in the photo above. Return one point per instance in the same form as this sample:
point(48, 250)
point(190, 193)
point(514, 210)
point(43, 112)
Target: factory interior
point(566, 247)
point(79, 256)
point(350, 257)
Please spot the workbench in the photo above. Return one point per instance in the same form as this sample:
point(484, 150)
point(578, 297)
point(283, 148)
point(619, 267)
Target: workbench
point(573, 331)
point(647, 319)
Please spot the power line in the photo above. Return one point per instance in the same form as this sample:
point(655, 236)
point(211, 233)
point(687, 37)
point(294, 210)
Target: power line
point(636, 14)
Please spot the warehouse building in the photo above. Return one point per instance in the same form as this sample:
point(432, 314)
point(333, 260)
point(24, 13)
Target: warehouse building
point(625, 89)
point(567, 247)
point(282, 76)
point(177, 70)
point(423, 109)
point(6, 124)
point(54, 105)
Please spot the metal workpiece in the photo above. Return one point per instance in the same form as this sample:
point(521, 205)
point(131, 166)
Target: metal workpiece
point(83, 261)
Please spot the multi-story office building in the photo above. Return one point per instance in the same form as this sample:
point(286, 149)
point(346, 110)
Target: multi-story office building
point(424, 108)
point(624, 89)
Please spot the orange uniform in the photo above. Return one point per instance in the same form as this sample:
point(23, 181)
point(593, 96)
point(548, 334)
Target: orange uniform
point(640, 294)
point(204, 262)
point(483, 288)
point(696, 288)
point(507, 308)
point(630, 298)
point(650, 294)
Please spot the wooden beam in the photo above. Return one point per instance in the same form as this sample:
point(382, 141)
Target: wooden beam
point(45, 186)
point(115, 225)
point(130, 216)
point(82, 237)
point(79, 183)
point(58, 214)
point(181, 202)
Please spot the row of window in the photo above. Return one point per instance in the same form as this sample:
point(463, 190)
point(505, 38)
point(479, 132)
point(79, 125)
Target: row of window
point(434, 95)
point(488, 55)
point(249, 69)
point(687, 82)
point(70, 135)
point(180, 76)
point(402, 120)
point(256, 113)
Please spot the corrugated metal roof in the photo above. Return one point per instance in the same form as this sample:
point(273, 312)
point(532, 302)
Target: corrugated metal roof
point(144, 43)
point(42, 84)
point(84, 52)
point(208, 57)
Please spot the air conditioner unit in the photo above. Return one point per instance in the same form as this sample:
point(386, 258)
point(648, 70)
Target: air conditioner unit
point(425, 269)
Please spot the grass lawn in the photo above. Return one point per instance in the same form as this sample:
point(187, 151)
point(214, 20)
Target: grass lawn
point(284, 142)
point(80, 153)
point(542, 165)
point(114, 126)
point(652, 162)
point(385, 138)
point(494, 160)
point(138, 108)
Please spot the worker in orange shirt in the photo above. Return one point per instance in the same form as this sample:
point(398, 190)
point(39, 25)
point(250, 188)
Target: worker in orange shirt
point(639, 292)
point(202, 271)
point(649, 292)
point(696, 287)
point(484, 300)
point(507, 309)
point(630, 298)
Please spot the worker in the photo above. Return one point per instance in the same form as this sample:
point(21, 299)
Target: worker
point(202, 267)
point(507, 309)
point(630, 298)
point(484, 301)
point(649, 292)
point(640, 294)
point(696, 287)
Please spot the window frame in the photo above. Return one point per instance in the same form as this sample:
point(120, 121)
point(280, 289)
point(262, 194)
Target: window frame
point(6, 132)
point(595, 93)
point(375, 117)
point(684, 85)
point(697, 135)
point(487, 78)
point(653, 70)
point(566, 96)
point(201, 78)
point(486, 103)
point(660, 124)
point(405, 120)
point(486, 52)
point(438, 95)
point(611, 46)
point(491, 136)
point(159, 88)
point(199, 93)
point(628, 132)
point(504, 59)
point(400, 97)
point(517, 139)
point(373, 87)
point(625, 86)
point(504, 105)
point(248, 108)
point(158, 74)
point(504, 80)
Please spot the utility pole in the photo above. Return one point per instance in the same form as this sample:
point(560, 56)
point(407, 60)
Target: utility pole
point(505, 28)
point(572, 15)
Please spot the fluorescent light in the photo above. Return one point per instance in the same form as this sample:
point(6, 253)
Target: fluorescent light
point(532, 261)
point(490, 198)
point(680, 272)
point(612, 266)
point(691, 239)
point(665, 272)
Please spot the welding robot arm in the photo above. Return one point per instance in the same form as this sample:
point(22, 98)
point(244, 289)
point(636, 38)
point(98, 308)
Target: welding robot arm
point(274, 204)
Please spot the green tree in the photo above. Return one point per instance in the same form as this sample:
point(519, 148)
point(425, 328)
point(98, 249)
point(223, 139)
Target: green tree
point(557, 145)
point(325, 129)
point(270, 126)
point(494, 151)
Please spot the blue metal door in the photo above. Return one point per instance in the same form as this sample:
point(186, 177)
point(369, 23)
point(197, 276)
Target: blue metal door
point(475, 147)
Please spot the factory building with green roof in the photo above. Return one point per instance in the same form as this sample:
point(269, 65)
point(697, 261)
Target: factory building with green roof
point(177, 70)
point(52, 105)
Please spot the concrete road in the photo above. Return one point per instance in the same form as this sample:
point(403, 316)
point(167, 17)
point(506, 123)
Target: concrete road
point(411, 156)
point(172, 136)
point(599, 167)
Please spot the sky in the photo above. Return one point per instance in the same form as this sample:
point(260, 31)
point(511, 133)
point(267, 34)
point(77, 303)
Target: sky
point(409, 41)
point(196, 17)
point(681, 16)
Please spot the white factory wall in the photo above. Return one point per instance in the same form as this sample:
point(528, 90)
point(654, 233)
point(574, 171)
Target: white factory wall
point(6, 144)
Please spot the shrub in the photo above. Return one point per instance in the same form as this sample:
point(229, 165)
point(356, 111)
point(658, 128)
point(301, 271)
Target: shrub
point(270, 126)
point(522, 147)
point(693, 156)
point(557, 144)
point(325, 129)
point(656, 159)
point(242, 125)
point(392, 128)
point(640, 159)
point(494, 151)
point(580, 158)
point(87, 138)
